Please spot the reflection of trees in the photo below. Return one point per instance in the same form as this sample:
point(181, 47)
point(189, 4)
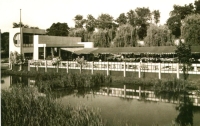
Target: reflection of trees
point(185, 108)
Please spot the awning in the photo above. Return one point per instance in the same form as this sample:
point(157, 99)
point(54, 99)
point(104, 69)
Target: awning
point(72, 49)
point(86, 51)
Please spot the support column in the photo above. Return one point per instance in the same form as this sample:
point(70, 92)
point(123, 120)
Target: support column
point(45, 65)
point(57, 66)
point(37, 66)
point(177, 71)
point(107, 68)
point(159, 70)
point(59, 52)
point(28, 65)
point(124, 69)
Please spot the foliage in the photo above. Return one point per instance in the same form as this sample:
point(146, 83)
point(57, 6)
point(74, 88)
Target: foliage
point(174, 24)
point(17, 25)
point(16, 58)
point(131, 17)
point(105, 21)
point(25, 106)
point(79, 21)
point(125, 36)
point(156, 16)
point(78, 32)
point(122, 19)
point(197, 6)
point(101, 38)
point(183, 52)
point(5, 44)
point(58, 29)
point(90, 23)
point(157, 36)
point(191, 29)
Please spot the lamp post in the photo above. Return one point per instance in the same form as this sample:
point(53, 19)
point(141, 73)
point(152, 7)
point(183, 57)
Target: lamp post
point(21, 41)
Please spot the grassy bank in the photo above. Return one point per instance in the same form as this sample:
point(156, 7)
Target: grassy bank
point(21, 106)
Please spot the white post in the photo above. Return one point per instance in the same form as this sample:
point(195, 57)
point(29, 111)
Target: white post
point(67, 65)
point(107, 68)
point(44, 52)
point(139, 91)
point(124, 69)
point(159, 70)
point(37, 66)
point(177, 71)
point(124, 91)
point(195, 68)
point(28, 65)
point(45, 65)
point(92, 67)
point(139, 70)
point(57, 66)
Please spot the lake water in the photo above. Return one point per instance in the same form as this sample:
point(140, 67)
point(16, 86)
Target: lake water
point(136, 106)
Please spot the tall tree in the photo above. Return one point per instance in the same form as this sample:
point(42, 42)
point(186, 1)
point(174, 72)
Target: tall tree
point(156, 15)
point(143, 18)
point(58, 29)
point(197, 6)
point(5, 44)
point(90, 23)
point(174, 24)
point(122, 19)
point(191, 29)
point(125, 36)
point(78, 32)
point(101, 38)
point(105, 21)
point(131, 17)
point(79, 21)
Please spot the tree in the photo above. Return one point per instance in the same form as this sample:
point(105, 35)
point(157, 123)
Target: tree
point(58, 29)
point(197, 6)
point(174, 24)
point(183, 52)
point(131, 18)
point(5, 44)
point(122, 19)
point(156, 15)
point(143, 18)
point(78, 32)
point(157, 36)
point(79, 21)
point(17, 25)
point(101, 38)
point(105, 21)
point(90, 23)
point(191, 29)
point(125, 36)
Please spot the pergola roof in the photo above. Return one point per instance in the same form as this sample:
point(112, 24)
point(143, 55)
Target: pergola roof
point(127, 50)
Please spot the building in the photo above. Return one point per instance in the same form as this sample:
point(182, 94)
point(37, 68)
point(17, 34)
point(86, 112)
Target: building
point(36, 45)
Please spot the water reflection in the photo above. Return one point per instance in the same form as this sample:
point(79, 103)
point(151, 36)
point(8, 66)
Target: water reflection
point(183, 104)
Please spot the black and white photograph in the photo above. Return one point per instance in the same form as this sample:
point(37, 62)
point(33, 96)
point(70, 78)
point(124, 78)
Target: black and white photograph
point(100, 62)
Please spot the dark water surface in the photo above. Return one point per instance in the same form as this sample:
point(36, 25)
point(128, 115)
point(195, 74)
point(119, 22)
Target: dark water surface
point(136, 107)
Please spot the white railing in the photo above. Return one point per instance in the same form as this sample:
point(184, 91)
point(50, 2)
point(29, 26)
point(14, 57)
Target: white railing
point(116, 66)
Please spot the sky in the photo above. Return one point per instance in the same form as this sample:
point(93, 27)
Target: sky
point(43, 13)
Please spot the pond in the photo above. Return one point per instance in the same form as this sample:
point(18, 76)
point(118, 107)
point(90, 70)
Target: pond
point(135, 106)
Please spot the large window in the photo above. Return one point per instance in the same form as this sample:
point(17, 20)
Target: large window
point(27, 40)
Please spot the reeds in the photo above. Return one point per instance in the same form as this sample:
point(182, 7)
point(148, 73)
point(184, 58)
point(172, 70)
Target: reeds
point(22, 106)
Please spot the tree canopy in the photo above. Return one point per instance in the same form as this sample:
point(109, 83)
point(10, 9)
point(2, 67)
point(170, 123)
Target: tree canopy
point(58, 29)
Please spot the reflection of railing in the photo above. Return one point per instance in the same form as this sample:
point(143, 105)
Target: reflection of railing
point(121, 66)
point(143, 94)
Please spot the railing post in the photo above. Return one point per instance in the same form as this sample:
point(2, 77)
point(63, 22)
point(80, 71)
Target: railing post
point(139, 70)
point(67, 65)
point(177, 71)
point(124, 91)
point(37, 66)
point(57, 66)
point(124, 69)
point(28, 65)
point(107, 68)
point(139, 91)
point(159, 70)
point(45, 65)
point(92, 67)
